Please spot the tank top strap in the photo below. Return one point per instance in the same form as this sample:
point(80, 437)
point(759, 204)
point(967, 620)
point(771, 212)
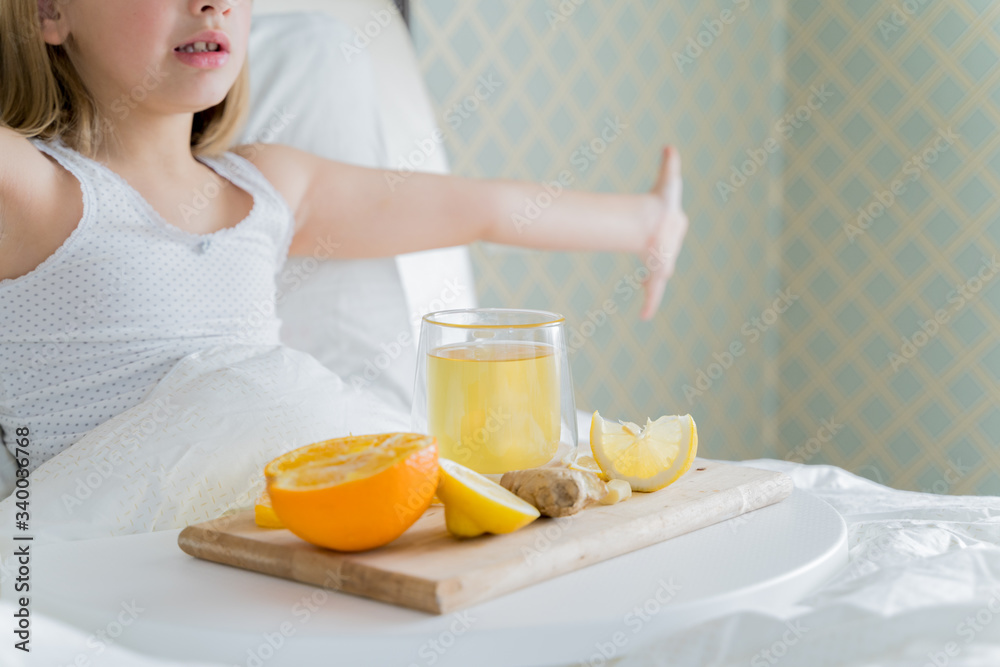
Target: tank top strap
point(85, 176)
point(245, 174)
point(73, 162)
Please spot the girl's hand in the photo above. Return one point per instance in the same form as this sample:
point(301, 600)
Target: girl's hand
point(664, 244)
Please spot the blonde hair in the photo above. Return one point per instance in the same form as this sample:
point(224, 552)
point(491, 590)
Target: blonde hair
point(42, 94)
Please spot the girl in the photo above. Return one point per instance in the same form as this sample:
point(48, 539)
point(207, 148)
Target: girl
point(108, 277)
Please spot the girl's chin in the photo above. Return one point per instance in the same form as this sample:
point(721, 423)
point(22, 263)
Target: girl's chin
point(199, 101)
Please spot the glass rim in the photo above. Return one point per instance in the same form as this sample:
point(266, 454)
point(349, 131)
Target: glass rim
point(549, 318)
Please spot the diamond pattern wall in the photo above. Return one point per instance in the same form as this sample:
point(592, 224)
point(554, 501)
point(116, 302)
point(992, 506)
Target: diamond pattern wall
point(565, 71)
point(891, 222)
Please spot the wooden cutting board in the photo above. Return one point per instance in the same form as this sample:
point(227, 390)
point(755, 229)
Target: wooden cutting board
point(429, 570)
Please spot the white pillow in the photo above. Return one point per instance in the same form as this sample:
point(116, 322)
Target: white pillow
point(349, 314)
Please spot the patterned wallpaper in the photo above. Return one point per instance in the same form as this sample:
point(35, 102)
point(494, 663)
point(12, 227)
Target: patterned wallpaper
point(889, 360)
point(527, 88)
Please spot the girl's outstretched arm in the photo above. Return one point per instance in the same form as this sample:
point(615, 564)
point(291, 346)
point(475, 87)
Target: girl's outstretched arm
point(367, 212)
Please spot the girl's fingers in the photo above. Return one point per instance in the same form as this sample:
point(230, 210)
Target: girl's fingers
point(669, 186)
point(670, 169)
point(664, 174)
point(655, 286)
point(674, 186)
point(664, 259)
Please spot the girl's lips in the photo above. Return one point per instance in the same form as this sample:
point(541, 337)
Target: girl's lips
point(203, 60)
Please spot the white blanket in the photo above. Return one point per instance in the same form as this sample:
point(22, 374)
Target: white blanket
point(196, 446)
point(922, 588)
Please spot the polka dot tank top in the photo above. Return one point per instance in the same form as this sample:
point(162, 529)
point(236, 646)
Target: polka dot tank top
point(87, 333)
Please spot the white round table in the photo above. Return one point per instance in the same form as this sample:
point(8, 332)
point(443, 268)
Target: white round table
point(193, 609)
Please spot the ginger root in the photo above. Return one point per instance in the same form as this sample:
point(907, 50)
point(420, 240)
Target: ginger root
point(555, 491)
point(618, 490)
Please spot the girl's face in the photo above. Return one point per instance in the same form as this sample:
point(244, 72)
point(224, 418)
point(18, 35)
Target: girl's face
point(133, 53)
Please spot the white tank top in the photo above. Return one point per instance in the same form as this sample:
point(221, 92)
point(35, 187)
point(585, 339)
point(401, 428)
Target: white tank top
point(89, 332)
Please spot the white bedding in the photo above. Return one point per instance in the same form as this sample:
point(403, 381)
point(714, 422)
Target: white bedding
point(922, 588)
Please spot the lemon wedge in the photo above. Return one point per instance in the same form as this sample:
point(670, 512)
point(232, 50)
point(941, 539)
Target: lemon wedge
point(263, 513)
point(474, 504)
point(648, 457)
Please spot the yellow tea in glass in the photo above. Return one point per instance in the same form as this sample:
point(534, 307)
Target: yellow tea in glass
point(493, 387)
point(494, 406)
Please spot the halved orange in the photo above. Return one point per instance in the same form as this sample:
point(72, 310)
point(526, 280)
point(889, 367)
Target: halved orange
point(357, 492)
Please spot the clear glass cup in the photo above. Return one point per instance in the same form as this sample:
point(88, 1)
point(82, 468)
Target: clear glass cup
point(493, 386)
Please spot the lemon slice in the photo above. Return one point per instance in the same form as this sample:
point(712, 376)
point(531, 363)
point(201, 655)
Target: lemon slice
point(648, 457)
point(474, 505)
point(263, 512)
